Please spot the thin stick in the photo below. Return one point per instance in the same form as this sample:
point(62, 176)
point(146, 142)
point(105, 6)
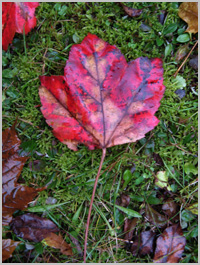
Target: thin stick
point(91, 202)
point(185, 59)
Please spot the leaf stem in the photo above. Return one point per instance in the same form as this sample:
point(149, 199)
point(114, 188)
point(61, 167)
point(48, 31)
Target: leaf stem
point(91, 202)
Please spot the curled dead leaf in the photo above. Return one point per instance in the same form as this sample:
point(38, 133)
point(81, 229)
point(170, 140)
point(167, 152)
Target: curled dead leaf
point(188, 11)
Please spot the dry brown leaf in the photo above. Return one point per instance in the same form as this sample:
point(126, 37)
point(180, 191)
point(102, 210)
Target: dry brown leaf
point(57, 241)
point(8, 246)
point(15, 196)
point(170, 245)
point(188, 11)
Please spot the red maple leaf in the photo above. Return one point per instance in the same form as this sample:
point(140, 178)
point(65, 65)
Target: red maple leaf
point(102, 100)
point(16, 17)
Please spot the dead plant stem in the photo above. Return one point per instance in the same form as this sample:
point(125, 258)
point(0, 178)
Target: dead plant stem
point(91, 202)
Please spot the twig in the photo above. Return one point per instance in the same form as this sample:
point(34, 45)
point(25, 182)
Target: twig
point(91, 203)
point(177, 71)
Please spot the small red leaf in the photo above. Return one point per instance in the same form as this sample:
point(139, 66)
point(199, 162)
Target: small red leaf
point(170, 245)
point(16, 17)
point(102, 100)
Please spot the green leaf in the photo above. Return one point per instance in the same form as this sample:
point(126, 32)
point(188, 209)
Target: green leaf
point(161, 180)
point(190, 168)
point(179, 82)
point(76, 215)
point(153, 200)
point(42, 208)
point(187, 216)
point(183, 38)
point(127, 177)
point(168, 50)
point(136, 198)
point(159, 41)
point(170, 29)
point(75, 38)
point(129, 212)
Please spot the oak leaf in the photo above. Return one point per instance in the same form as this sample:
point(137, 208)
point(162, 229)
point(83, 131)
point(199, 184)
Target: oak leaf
point(170, 245)
point(188, 11)
point(15, 196)
point(17, 17)
point(102, 100)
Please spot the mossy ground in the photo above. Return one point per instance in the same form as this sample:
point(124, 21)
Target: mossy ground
point(71, 174)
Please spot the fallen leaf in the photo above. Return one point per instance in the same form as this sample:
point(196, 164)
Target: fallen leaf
point(129, 227)
point(102, 101)
point(8, 246)
point(57, 241)
point(194, 62)
point(77, 244)
point(154, 217)
point(132, 12)
point(135, 246)
point(17, 17)
point(193, 208)
point(170, 245)
point(147, 241)
point(180, 93)
point(161, 180)
point(15, 196)
point(182, 52)
point(158, 159)
point(143, 244)
point(124, 200)
point(170, 208)
point(32, 227)
point(188, 11)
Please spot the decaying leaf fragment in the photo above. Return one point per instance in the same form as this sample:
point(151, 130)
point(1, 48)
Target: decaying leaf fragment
point(131, 12)
point(188, 11)
point(32, 227)
point(57, 241)
point(17, 17)
point(15, 196)
point(8, 246)
point(102, 100)
point(170, 245)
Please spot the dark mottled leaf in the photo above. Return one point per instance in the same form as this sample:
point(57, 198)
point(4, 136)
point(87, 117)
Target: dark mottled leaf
point(154, 217)
point(170, 245)
point(147, 241)
point(194, 62)
point(15, 196)
point(129, 227)
point(32, 227)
